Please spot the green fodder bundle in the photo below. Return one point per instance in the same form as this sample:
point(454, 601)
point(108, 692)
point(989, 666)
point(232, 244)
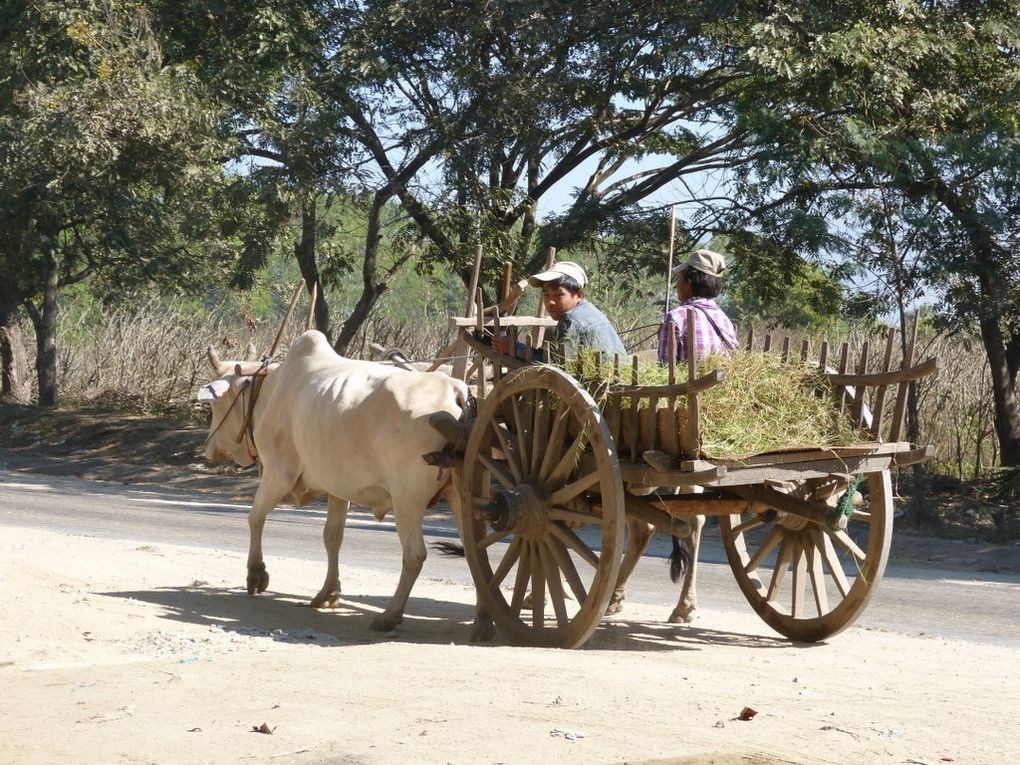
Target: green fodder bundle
point(764, 405)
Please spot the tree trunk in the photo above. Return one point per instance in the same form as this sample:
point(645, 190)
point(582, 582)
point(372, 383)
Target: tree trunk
point(14, 381)
point(44, 320)
point(304, 252)
point(1007, 415)
point(371, 290)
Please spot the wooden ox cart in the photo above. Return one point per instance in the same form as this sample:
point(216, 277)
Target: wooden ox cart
point(550, 479)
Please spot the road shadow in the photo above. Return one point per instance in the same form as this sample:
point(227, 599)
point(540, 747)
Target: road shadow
point(288, 618)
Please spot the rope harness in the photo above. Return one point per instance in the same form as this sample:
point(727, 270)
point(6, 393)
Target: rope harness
point(248, 395)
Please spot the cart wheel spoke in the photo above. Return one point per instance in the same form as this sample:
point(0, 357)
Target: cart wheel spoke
point(751, 523)
point(844, 539)
point(508, 445)
point(573, 489)
point(799, 583)
point(490, 539)
point(763, 547)
point(521, 583)
point(569, 460)
point(504, 477)
point(566, 564)
point(832, 562)
point(775, 536)
point(512, 555)
point(814, 556)
point(522, 427)
point(574, 542)
point(555, 584)
point(538, 580)
point(554, 447)
point(540, 431)
point(780, 569)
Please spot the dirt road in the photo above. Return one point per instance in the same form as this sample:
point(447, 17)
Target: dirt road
point(132, 653)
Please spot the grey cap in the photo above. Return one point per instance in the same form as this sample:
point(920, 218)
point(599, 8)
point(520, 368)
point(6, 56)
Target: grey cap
point(706, 261)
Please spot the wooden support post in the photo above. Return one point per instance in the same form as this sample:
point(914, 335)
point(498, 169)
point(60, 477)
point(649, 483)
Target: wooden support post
point(460, 362)
point(693, 433)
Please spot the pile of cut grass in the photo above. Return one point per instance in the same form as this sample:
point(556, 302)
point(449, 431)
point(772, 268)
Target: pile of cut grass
point(764, 405)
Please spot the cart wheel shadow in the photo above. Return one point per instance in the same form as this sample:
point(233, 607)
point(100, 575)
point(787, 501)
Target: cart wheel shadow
point(625, 635)
point(288, 618)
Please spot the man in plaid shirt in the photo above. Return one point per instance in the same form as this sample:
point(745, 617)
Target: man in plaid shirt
point(699, 282)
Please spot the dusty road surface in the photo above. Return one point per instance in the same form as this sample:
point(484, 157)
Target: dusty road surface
point(120, 651)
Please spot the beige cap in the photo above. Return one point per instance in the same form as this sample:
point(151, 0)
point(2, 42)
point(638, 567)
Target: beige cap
point(558, 271)
point(706, 261)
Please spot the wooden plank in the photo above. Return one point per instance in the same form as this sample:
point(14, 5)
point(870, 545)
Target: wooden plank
point(876, 411)
point(804, 455)
point(506, 321)
point(704, 382)
point(799, 471)
point(900, 409)
point(857, 410)
point(641, 474)
point(844, 362)
point(885, 378)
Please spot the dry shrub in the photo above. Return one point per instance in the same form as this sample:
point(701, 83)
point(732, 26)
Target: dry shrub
point(151, 358)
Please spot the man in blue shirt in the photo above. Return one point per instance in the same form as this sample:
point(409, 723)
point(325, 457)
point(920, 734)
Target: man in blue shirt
point(579, 323)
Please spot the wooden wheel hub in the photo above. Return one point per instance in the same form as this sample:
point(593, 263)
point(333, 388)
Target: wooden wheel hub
point(523, 509)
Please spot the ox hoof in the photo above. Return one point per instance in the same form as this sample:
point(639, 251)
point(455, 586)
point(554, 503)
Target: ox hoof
point(483, 630)
point(685, 616)
point(384, 623)
point(614, 607)
point(258, 580)
point(329, 599)
point(326, 600)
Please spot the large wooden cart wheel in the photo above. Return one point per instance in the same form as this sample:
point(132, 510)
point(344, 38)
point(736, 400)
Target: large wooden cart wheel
point(806, 580)
point(543, 521)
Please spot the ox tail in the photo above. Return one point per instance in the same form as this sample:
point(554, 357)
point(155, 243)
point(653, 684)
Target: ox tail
point(679, 560)
point(452, 549)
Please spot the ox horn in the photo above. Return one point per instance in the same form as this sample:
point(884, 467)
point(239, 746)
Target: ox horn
point(214, 359)
point(310, 322)
point(251, 353)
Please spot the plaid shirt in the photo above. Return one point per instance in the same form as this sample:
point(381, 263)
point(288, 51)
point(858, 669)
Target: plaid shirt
point(706, 339)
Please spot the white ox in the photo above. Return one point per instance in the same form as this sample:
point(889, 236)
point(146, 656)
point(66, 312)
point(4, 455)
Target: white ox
point(353, 430)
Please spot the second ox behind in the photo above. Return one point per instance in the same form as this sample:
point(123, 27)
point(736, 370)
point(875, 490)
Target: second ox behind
point(353, 430)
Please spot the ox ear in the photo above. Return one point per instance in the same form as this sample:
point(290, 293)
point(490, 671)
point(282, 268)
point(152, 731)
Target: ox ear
point(212, 391)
